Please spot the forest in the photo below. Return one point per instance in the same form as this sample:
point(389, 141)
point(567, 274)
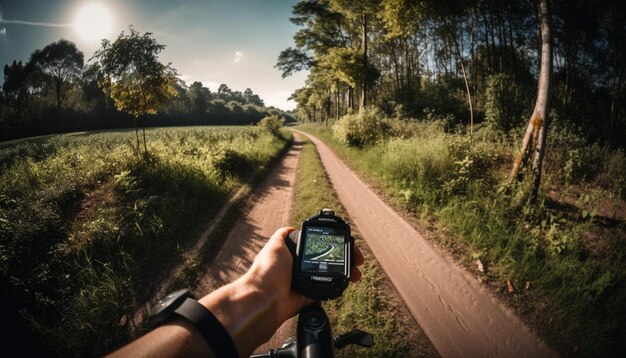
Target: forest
point(469, 63)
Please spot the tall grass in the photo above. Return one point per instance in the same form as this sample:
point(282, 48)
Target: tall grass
point(88, 226)
point(572, 262)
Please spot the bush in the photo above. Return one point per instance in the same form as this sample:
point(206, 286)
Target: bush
point(505, 102)
point(362, 129)
point(272, 124)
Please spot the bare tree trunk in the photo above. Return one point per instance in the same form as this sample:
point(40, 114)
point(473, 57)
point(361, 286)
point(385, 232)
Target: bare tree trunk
point(351, 98)
point(467, 88)
point(364, 41)
point(136, 132)
point(337, 104)
point(534, 140)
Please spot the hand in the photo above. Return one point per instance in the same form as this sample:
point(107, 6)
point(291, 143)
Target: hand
point(271, 271)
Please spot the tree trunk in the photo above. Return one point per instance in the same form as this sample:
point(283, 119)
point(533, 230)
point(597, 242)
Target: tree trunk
point(534, 140)
point(143, 128)
point(136, 132)
point(351, 98)
point(364, 42)
point(467, 87)
point(337, 103)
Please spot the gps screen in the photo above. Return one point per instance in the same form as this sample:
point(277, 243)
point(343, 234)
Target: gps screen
point(324, 251)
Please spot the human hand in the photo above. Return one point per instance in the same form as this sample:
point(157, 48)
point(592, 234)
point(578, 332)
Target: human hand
point(272, 270)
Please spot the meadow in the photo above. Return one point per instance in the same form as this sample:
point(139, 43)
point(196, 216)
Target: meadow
point(559, 263)
point(89, 224)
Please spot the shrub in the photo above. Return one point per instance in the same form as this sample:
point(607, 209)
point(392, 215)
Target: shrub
point(505, 102)
point(272, 124)
point(361, 129)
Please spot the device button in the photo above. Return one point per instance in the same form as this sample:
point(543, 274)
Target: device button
point(315, 321)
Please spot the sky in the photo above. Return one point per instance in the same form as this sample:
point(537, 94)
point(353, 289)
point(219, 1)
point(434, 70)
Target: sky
point(235, 42)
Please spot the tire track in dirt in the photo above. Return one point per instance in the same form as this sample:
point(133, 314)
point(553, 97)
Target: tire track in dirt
point(459, 316)
point(268, 209)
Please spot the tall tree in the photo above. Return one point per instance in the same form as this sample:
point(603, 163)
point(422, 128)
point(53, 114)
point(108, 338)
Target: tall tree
point(134, 77)
point(533, 144)
point(59, 65)
point(199, 96)
point(363, 11)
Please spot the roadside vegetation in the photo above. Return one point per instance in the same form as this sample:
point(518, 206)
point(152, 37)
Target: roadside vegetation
point(369, 304)
point(88, 226)
point(560, 262)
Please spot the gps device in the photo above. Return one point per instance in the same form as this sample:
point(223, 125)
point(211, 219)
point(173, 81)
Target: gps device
point(324, 257)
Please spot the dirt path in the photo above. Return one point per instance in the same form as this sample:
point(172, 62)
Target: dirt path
point(459, 317)
point(268, 209)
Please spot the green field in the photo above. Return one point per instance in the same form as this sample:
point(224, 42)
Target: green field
point(88, 225)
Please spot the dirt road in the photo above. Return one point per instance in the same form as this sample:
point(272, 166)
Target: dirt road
point(459, 316)
point(267, 209)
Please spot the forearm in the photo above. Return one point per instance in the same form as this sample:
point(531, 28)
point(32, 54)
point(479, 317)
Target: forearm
point(245, 311)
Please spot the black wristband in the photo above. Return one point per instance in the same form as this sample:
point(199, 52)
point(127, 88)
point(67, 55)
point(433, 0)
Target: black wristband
point(209, 326)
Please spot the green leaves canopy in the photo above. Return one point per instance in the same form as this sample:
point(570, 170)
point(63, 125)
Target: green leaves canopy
point(132, 74)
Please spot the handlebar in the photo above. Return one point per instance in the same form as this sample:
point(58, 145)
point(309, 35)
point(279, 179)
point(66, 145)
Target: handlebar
point(315, 337)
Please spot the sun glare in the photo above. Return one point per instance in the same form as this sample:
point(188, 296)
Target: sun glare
point(93, 22)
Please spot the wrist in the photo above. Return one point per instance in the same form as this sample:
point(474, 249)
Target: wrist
point(246, 311)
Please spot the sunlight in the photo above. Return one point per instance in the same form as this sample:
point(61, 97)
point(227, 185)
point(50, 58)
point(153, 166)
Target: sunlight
point(93, 22)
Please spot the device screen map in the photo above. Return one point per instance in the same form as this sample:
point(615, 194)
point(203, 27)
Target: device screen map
point(324, 250)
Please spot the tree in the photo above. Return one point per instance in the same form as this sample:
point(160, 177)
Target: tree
point(15, 84)
point(59, 65)
point(199, 96)
point(533, 144)
point(363, 10)
point(134, 77)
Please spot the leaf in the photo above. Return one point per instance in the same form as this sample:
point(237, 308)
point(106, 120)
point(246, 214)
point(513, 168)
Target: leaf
point(480, 266)
point(585, 213)
point(527, 285)
point(509, 285)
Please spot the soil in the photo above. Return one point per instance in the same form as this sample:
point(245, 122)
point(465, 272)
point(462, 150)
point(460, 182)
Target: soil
point(458, 314)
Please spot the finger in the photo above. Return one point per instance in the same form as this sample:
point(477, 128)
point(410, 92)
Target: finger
point(355, 275)
point(358, 256)
point(281, 234)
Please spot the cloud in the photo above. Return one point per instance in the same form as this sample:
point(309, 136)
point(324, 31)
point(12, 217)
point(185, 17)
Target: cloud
point(32, 23)
point(238, 56)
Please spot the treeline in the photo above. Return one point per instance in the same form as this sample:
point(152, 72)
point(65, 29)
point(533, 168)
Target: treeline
point(465, 61)
point(57, 91)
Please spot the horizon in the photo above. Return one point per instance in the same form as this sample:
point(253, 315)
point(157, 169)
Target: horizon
point(204, 41)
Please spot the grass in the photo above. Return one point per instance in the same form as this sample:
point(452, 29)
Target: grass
point(367, 305)
point(572, 261)
point(88, 226)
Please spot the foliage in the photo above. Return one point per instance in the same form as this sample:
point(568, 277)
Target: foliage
point(86, 228)
point(504, 102)
point(57, 65)
point(417, 49)
point(272, 124)
point(361, 129)
point(132, 74)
